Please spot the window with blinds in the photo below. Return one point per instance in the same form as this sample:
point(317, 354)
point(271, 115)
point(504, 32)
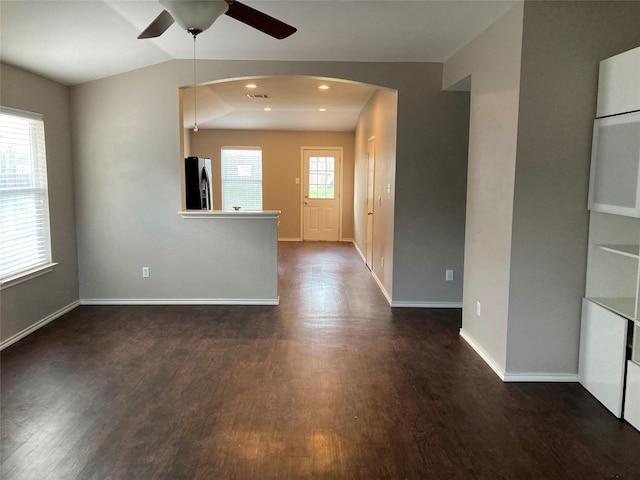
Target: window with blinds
point(25, 244)
point(241, 178)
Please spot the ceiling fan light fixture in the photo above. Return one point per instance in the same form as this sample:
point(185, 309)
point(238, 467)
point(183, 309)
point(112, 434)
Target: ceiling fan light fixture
point(195, 16)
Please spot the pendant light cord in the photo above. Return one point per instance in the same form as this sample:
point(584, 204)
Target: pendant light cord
point(195, 103)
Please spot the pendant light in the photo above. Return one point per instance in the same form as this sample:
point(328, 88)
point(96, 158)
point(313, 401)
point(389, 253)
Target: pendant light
point(195, 33)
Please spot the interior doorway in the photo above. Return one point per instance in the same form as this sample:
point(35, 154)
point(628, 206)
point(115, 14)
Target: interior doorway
point(321, 168)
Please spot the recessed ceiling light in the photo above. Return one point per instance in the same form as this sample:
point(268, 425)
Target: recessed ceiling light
point(267, 109)
point(251, 85)
point(324, 87)
point(322, 109)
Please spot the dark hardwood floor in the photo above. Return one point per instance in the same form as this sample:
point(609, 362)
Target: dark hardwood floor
point(330, 384)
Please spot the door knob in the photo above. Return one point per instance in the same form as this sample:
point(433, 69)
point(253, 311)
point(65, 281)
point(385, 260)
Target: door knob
point(369, 213)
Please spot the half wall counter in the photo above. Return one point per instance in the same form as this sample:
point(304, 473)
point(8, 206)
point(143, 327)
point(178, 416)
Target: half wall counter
point(234, 256)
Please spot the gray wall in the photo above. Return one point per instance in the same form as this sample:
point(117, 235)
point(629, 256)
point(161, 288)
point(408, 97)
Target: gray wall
point(44, 297)
point(127, 163)
point(128, 168)
point(431, 172)
point(562, 44)
point(378, 119)
point(533, 97)
point(493, 61)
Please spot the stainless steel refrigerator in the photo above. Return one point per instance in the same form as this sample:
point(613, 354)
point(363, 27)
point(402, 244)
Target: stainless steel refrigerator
point(198, 187)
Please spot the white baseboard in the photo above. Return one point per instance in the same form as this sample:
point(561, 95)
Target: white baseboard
point(286, 239)
point(541, 377)
point(180, 301)
point(484, 355)
point(381, 286)
point(360, 252)
point(544, 377)
point(375, 277)
point(401, 304)
point(426, 304)
point(39, 324)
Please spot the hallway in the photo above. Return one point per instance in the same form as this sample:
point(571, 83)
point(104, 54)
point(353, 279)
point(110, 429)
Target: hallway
point(330, 384)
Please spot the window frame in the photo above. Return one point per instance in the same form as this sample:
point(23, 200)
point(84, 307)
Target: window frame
point(39, 190)
point(229, 205)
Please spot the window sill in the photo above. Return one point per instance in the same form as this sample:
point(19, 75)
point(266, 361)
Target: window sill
point(28, 275)
point(262, 214)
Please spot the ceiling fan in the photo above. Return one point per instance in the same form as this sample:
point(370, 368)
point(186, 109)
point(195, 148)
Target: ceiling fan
point(195, 16)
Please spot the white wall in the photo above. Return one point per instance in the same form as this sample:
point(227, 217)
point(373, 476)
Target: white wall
point(127, 157)
point(41, 299)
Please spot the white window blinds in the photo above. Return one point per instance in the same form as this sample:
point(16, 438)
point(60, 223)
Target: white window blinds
point(25, 243)
point(241, 178)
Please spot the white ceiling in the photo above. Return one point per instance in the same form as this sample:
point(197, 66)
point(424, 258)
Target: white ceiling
point(78, 41)
point(294, 104)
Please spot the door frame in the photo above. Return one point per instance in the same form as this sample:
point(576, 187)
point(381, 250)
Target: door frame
point(371, 189)
point(302, 183)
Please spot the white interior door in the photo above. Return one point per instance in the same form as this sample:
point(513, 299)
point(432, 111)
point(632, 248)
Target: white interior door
point(321, 192)
point(371, 146)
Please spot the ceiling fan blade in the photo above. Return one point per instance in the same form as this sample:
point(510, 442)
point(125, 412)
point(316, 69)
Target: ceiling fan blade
point(158, 26)
point(260, 21)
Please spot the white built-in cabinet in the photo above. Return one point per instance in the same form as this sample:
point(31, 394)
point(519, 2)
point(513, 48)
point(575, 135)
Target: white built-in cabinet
point(615, 172)
point(610, 331)
point(618, 84)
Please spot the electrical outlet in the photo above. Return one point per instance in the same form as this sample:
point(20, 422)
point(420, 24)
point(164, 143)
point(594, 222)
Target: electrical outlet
point(448, 275)
point(478, 308)
point(382, 262)
point(145, 272)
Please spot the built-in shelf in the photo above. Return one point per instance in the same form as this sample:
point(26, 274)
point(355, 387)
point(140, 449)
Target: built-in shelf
point(613, 263)
point(609, 365)
point(630, 250)
point(625, 307)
